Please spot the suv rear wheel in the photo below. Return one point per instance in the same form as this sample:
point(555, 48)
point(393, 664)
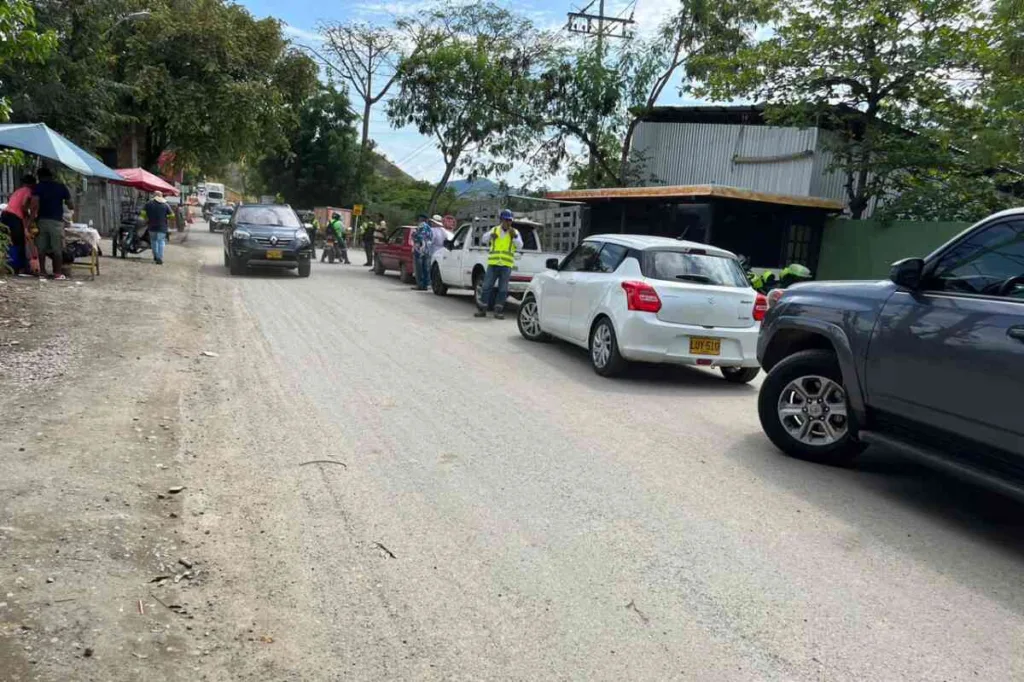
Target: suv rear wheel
point(803, 409)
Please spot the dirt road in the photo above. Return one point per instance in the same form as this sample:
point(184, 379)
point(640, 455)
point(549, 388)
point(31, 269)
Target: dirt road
point(479, 508)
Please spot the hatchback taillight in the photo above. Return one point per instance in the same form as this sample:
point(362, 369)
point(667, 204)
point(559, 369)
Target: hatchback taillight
point(642, 297)
point(760, 307)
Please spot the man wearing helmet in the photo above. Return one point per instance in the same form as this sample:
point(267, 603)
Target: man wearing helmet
point(337, 228)
point(503, 240)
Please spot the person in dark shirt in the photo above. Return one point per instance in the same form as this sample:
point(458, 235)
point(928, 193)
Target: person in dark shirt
point(48, 200)
point(157, 213)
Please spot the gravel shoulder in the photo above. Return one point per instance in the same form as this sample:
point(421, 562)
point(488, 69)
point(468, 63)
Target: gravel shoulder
point(91, 374)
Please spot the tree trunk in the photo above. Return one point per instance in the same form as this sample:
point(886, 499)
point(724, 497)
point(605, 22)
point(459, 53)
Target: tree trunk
point(439, 189)
point(627, 141)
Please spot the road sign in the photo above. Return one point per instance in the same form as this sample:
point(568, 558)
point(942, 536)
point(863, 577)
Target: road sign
point(357, 209)
point(449, 222)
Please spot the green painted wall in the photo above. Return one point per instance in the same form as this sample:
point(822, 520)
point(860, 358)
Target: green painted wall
point(864, 249)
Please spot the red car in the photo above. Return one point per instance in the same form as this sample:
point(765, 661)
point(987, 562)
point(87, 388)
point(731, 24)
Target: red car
point(395, 254)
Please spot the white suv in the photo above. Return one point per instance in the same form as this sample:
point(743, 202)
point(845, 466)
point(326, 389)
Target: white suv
point(648, 299)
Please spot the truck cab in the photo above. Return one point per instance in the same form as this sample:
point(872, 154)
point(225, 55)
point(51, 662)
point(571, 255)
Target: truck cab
point(463, 261)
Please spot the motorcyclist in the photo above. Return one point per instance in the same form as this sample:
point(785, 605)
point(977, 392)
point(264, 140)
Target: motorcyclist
point(793, 273)
point(336, 228)
point(765, 281)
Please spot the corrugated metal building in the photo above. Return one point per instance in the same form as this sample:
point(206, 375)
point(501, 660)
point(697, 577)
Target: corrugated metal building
point(732, 146)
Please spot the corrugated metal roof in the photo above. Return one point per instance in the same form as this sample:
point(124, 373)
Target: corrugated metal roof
point(696, 191)
point(761, 158)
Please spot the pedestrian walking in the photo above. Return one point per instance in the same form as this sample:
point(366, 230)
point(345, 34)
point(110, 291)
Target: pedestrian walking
point(157, 214)
point(422, 243)
point(15, 219)
point(503, 240)
point(47, 207)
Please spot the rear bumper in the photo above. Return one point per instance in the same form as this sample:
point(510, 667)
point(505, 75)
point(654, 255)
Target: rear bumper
point(645, 338)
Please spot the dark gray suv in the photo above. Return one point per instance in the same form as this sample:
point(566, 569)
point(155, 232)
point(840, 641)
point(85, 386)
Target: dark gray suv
point(930, 361)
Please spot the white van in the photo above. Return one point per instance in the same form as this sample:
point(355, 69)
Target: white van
point(214, 194)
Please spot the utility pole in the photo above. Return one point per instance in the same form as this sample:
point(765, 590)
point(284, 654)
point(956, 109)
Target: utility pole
point(599, 25)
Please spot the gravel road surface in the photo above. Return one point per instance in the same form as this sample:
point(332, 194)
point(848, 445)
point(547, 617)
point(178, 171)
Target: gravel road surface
point(492, 509)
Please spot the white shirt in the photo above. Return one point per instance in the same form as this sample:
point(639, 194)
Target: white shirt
point(486, 238)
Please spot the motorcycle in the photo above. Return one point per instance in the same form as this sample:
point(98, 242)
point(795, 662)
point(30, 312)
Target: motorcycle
point(132, 238)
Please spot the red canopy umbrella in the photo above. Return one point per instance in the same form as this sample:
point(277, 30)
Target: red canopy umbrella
point(146, 181)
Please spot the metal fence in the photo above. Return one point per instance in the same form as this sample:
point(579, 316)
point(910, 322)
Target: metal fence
point(96, 200)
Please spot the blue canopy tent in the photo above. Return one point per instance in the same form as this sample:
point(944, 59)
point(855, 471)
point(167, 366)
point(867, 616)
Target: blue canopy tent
point(39, 139)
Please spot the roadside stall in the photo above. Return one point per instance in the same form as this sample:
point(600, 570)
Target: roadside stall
point(80, 240)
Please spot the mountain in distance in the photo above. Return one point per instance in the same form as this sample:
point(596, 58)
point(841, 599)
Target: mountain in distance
point(384, 167)
point(480, 186)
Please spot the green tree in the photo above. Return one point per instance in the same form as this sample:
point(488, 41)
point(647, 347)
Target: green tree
point(321, 166)
point(467, 88)
point(212, 83)
point(868, 70)
point(21, 44)
point(580, 85)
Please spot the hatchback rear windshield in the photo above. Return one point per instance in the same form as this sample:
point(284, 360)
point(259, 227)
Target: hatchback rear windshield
point(214, 195)
point(697, 268)
point(278, 216)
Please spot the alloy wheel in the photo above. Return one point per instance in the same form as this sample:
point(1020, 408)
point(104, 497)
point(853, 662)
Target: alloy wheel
point(601, 345)
point(812, 409)
point(529, 318)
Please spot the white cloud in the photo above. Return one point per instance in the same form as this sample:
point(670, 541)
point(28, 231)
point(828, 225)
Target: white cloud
point(300, 33)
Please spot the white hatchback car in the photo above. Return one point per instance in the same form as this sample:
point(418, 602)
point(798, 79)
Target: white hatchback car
point(649, 299)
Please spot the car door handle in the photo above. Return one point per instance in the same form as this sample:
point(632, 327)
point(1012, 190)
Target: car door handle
point(1016, 333)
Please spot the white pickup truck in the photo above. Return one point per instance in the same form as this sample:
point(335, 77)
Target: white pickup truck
point(463, 260)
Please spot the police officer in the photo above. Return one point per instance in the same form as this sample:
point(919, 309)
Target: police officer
point(337, 228)
point(504, 240)
point(793, 273)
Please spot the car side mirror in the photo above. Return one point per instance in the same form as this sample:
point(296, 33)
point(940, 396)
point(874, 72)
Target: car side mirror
point(551, 264)
point(907, 273)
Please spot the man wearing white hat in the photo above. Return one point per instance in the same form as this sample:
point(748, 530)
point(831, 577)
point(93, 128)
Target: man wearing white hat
point(157, 213)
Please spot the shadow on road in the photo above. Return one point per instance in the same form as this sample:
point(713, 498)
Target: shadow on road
point(882, 485)
point(572, 363)
point(218, 270)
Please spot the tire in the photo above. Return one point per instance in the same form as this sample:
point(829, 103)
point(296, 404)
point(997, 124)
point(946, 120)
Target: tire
point(606, 364)
point(808, 368)
point(740, 375)
point(305, 268)
point(378, 266)
point(236, 267)
point(528, 320)
point(330, 256)
point(436, 283)
point(404, 275)
point(478, 288)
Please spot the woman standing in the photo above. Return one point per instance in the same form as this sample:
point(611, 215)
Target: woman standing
point(14, 218)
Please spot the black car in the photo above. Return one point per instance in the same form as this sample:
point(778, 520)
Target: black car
point(220, 218)
point(266, 235)
point(930, 362)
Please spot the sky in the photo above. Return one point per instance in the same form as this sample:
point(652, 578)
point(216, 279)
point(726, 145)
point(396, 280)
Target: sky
point(414, 153)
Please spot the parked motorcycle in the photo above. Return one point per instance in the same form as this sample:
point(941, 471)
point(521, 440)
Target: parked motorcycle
point(133, 239)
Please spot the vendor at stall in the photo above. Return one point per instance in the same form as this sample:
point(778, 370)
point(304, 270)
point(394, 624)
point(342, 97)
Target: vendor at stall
point(14, 219)
point(48, 200)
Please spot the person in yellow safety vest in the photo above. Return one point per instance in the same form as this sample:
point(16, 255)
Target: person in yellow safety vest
point(793, 273)
point(765, 281)
point(504, 240)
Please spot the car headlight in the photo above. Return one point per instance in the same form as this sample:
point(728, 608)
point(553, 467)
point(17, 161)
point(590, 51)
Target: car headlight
point(240, 235)
point(301, 236)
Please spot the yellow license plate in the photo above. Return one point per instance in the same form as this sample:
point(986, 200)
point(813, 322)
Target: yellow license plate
point(274, 254)
point(700, 345)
